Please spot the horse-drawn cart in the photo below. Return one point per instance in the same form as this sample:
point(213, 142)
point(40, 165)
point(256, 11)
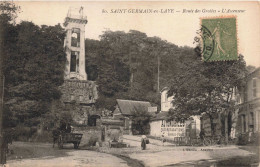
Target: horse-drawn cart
point(74, 138)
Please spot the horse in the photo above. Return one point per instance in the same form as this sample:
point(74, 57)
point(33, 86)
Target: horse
point(55, 134)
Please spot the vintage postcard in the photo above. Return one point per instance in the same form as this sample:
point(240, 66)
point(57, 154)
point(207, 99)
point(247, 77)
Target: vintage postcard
point(129, 83)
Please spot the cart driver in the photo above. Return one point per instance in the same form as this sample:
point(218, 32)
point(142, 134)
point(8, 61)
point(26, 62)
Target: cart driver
point(68, 128)
point(62, 126)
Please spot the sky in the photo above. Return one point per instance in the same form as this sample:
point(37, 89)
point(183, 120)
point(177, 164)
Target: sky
point(176, 27)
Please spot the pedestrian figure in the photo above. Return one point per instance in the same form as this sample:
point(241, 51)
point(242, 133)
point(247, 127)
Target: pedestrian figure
point(63, 127)
point(68, 128)
point(163, 139)
point(143, 142)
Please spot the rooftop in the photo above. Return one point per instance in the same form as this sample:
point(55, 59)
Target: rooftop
point(76, 13)
point(128, 106)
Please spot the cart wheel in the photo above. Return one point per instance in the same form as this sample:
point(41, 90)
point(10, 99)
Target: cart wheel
point(60, 142)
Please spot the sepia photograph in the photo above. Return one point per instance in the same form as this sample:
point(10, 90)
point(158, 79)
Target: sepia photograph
point(129, 83)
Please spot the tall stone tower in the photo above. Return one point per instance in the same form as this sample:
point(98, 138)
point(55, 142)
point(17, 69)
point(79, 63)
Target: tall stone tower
point(79, 95)
point(75, 44)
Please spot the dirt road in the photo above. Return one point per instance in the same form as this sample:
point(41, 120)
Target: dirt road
point(156, 154)
point(43, 155)
point(169, 155)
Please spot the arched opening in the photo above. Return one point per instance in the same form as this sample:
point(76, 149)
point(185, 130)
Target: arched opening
point(92, 120)
point(75, 37)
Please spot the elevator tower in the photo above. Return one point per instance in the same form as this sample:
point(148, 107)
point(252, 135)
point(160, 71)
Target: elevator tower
point(75, 44)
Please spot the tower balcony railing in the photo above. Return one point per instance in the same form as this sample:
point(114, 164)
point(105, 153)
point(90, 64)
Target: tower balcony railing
point(81, 17)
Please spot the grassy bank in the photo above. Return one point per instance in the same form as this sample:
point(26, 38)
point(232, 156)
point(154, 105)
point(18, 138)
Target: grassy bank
point(28, 150)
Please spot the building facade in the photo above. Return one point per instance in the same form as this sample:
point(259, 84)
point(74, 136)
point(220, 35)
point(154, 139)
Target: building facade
point(166, 101)
point(124, 111)
point(244, 121)
point(249, 106)
point(75, 44)
point(161, 126)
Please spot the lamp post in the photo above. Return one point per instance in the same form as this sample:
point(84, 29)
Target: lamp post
point(162, 52)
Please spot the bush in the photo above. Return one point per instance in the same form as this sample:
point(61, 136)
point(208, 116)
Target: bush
point(243, 139)
point(140, 121)
point(23, 133)
point(45, 136)
point(255, 139)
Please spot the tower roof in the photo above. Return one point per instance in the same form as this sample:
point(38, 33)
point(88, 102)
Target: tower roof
point(76, 15)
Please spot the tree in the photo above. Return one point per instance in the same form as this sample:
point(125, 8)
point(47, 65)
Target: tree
point(206, 87)
point(7, 16)
point(127, 65)
point(60, 113)
point(34, 63)
point(250, 68)
point(140, 121)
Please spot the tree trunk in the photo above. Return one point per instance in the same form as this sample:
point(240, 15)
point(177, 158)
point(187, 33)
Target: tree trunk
point(2, 143)
point(131, 79)
point(212, 126)
point(226, 128)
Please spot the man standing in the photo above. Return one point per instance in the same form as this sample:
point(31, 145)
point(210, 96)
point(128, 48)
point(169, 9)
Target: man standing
point(202, 134)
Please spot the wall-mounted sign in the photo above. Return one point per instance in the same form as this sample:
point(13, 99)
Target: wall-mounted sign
point(174, 131)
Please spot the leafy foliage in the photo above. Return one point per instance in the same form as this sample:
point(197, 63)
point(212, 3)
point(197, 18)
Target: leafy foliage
point(127, 65)
point(140, 121)
point(34, 62)
point(60, 114)
point(206, 87)
point(8, 12)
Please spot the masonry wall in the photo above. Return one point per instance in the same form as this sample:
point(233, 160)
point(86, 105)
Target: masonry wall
point(155, 128)
point(89, 133)
point(79, 91)
point(79, 97)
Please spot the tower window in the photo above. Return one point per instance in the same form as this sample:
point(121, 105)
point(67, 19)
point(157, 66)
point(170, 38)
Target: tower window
point(75, 37)
point(74, 62)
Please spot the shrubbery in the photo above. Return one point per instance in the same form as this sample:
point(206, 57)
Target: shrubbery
point(23, 133)
point(244, 139)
